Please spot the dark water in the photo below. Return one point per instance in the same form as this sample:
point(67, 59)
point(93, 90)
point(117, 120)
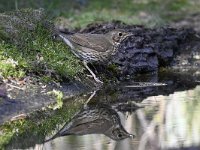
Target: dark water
point(159, 117)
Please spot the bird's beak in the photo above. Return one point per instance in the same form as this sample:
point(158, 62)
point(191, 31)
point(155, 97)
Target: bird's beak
point(130, 34)
point(127, 35)
point(131, 136)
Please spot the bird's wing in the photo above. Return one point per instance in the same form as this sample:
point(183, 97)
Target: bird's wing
point(92, 41)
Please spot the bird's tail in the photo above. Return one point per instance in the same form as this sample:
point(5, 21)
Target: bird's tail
point(65, 39)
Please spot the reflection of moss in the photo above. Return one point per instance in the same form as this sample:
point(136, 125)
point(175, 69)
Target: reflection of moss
point(36, 127)
point(59, 99)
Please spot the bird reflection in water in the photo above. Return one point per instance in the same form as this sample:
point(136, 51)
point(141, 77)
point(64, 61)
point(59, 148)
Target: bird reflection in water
point(95, 119)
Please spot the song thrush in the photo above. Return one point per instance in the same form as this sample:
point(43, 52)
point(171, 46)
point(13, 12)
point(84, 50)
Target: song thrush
point(96, 119)
point(94, 47)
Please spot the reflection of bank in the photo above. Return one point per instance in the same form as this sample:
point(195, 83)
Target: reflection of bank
point(95, 119)
point(169, 122)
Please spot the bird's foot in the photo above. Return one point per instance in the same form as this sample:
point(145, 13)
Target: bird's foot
point(88, 75)
point(97, 80)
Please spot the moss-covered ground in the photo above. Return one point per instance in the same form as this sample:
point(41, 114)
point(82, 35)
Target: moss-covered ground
point(39, 54)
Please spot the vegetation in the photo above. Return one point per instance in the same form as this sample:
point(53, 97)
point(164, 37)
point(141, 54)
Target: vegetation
point(35, 52)
point(9, 67)
point(82, 12)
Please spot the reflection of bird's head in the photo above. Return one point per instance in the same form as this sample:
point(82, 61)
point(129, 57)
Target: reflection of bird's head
point(117, 36)
point(119, 133)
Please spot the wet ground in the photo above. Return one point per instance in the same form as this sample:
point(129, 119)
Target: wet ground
point(130, 115)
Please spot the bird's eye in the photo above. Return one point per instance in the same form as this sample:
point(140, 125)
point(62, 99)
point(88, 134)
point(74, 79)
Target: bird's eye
point(119, 135)
point(120, 34)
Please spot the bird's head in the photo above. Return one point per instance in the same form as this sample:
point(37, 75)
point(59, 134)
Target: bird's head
point(119, 133)
point(117, 36)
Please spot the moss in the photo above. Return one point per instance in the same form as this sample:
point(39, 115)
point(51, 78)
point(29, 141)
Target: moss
point(49, 57)
point(11, 65)
point(33, 50)
point(39, 54)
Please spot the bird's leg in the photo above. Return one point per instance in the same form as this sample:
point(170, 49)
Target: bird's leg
point(91, 72)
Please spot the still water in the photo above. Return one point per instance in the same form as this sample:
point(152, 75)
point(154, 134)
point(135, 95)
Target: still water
point(164, 122)
point(130, 116)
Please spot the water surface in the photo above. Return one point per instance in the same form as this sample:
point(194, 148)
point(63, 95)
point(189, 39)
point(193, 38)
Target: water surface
point(166, 122)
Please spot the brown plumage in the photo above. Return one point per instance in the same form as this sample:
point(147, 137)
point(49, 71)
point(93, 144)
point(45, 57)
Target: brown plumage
point(94, 47)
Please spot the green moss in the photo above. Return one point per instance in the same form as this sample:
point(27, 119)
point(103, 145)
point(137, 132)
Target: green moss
point(38, 53)
point(48, 56)
point(11, 65)
point(30, 48)
point(4, 140)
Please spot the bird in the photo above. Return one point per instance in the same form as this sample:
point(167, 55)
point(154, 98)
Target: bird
point(94, 47)
point(95, 119)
